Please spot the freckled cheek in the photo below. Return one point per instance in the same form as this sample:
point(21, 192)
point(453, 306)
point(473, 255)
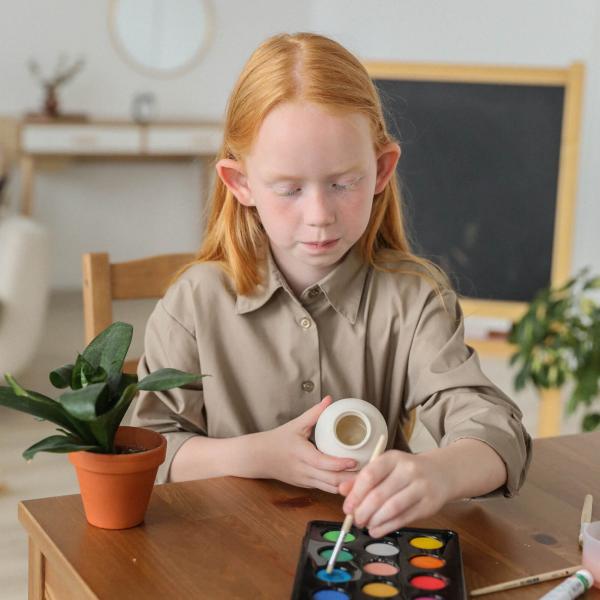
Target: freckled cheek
point(357, 215)
point(278, 220)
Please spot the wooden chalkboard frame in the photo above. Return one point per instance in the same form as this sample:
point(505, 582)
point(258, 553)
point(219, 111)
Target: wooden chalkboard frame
point(571, 79)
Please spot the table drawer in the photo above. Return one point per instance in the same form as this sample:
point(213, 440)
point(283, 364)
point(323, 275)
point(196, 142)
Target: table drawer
point(184, 140)
point(80, 139)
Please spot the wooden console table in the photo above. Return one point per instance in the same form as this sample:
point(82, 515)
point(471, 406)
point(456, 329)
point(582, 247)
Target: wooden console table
point(112, 140)
point(240, 538)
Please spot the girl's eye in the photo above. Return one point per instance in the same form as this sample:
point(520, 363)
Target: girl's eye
point(340, 187)
point(289, 192)
point(344, 187)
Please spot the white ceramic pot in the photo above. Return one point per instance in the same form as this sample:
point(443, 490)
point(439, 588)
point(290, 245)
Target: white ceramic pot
point(350, 428)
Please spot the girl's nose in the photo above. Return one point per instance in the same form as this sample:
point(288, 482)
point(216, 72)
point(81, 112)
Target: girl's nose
point(319, 209)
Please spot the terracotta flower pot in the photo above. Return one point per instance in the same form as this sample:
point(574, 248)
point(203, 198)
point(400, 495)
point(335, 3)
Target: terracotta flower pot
point(116, 488)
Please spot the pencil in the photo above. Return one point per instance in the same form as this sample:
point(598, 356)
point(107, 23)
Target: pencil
point(586, 516)
point(531, 579)
point(349, 518)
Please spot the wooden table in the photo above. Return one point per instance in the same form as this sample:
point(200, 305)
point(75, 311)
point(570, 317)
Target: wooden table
point(237, 538)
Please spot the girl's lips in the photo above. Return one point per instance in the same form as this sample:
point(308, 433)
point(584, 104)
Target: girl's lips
point(321, 245)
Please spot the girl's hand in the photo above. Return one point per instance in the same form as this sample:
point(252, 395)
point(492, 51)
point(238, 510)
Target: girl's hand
point(395, 489)
point(286, 454)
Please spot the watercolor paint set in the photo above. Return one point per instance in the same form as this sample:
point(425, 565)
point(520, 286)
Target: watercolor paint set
point(412, 564)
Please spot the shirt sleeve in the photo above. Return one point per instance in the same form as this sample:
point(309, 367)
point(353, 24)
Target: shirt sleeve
point(456, 399)
point(177, 413)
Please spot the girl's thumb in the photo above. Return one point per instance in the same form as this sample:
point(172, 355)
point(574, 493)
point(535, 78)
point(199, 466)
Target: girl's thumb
point(311, 416)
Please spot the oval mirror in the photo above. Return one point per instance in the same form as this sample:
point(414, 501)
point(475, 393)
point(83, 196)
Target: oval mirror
point(161, 37)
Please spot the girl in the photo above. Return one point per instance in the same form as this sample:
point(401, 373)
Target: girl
point(305, 287)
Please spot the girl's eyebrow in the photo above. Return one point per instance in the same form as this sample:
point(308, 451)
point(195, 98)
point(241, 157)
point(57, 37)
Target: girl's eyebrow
point(282, 176)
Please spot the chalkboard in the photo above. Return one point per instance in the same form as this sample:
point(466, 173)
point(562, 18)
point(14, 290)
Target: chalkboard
point(481, 174)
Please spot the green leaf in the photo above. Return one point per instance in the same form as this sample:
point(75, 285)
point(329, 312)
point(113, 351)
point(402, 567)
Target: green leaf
point(592, 284)
point(16, 388)
point(86, 403)
point(571, 282)
point(56, 443)
point(61, 377)
point(586, 387)
point(37, 405)
point(108, 350)
point(571, 405)
point(165, 379)
point(591, 422)
point(521, 378)
point(85, 373)
point(126, 379)
point(514, 358)
point(76, 383)
point(106, 425)
point(91, 375)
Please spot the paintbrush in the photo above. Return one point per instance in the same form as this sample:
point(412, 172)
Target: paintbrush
point(586, 516)
point(349, 518)
point(529, 580)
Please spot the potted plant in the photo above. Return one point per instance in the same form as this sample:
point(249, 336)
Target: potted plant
point(558, 340)
point(116, 465)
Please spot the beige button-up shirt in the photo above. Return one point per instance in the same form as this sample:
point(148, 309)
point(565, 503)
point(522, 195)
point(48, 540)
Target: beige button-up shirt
point(387, 338)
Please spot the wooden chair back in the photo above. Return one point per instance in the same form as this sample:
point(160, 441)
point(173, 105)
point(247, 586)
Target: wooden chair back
point(104, 282)
point(409, 425)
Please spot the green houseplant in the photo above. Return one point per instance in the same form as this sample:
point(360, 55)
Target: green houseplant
point(115, 464)
point(558, 340)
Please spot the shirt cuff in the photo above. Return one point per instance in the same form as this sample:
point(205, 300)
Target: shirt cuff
point(516, 458)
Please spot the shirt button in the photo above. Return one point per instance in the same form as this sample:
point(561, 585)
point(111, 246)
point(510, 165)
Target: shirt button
point(304, 323)
point(314, 292)
point(308, 386)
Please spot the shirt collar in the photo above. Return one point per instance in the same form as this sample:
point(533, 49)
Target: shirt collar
point(272, 280)
point(342, 287)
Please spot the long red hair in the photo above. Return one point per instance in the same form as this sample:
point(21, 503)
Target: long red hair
point(311, 68)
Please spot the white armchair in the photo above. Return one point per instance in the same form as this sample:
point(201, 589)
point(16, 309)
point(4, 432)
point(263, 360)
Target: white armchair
point(24, 277)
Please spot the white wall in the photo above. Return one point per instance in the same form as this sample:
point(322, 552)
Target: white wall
point(140, 209)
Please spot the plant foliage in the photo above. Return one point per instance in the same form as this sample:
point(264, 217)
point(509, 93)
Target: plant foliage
point(558, 340)
point(96, 397)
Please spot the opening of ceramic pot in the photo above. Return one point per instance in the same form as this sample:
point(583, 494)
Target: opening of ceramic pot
point(352, 429)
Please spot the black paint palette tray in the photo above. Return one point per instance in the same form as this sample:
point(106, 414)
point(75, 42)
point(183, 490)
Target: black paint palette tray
point(407, 564)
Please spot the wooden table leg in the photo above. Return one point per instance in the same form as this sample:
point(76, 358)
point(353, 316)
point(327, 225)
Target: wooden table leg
point(549, 413)
point(36, 572)
point(27, 176)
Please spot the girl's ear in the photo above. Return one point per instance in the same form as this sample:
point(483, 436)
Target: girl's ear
point(231, 173)
point(386, 164)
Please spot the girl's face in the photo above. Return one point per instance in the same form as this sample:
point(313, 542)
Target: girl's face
point(312, 176)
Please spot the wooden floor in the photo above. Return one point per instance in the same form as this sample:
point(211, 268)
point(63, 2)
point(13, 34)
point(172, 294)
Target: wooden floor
point(52, 475)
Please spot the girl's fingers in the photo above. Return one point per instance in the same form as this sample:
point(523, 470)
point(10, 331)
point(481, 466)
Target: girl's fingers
point(331, 478)
point(311, 456)
point(371, 476)
point(323, 485)
point(308, 419)
point(378, 497)
point(396, 506)
point(412, 514)
point(346, 486)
